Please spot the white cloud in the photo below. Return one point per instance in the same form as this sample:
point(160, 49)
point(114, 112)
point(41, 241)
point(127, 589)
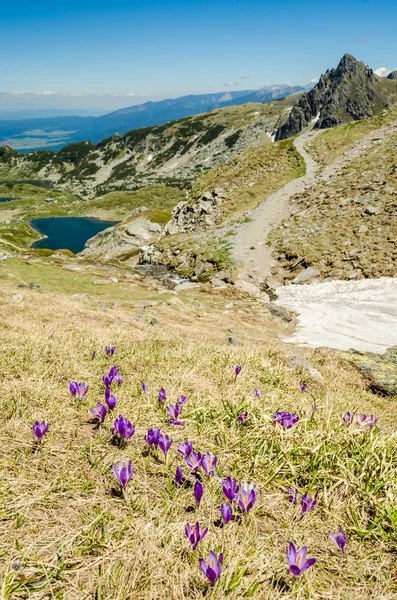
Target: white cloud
point(231, 84)
point(245, 76)
point(382, 71)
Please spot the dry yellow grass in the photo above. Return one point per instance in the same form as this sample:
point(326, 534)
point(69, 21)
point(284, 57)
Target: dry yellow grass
point(76, 539)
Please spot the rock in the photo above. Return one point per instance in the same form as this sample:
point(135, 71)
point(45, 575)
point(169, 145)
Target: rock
point(101, 282)
point(297, 361)
point(17, 298)
point(153, 321)
point(4, 256)
point(80, 296)
point(306, 275)
point(280, 313)
point(114, 279)
point(232, 330)
point(248, 288)
point(380, 370)
point(124, 239)
point(218, 283)
point(392, 75)
point(348, 93)
point(371, 210)
point(34, 286)
point(224, 276)
point(232, 341)
point(196, 215)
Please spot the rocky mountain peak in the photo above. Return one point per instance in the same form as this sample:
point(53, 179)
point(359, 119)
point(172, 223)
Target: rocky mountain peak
point(392, 75)
point(349, 92)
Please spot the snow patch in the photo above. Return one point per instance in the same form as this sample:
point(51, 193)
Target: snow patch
point(344, 314)
point(272, 136)
point(316, 118)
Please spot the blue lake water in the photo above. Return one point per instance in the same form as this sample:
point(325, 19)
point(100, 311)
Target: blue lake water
point(70, 233)
point(8, 199)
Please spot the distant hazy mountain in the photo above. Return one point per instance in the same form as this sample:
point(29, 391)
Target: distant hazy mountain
point(48, 113)
point(55, 132)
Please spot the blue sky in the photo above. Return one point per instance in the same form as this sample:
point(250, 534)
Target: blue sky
point(91, 52)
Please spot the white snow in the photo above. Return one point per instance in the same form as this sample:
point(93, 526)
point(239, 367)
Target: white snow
point(316, 118)
point(272, 136)
point(344, 314)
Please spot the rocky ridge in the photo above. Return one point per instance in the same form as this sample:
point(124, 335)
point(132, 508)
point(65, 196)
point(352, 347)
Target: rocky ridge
point(349, 92)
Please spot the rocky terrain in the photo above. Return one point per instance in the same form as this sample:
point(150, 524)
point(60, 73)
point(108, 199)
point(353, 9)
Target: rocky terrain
point(343, 224)
point(349, 92)
point(175, 153)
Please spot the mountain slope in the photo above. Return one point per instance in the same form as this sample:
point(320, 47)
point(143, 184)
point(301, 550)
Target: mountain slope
point(175, 153)
point(54, 133)
point(349, 92)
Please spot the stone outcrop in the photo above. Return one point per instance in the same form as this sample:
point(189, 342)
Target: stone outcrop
point(380, 370)
point(196, 215)
point(122, 240)
point(392, 75)
point(348, 93)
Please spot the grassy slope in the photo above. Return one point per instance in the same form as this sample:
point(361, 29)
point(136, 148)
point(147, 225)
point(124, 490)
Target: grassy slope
point(77, 539)
point(252, 176)
point(333, 231)
point(333, 142)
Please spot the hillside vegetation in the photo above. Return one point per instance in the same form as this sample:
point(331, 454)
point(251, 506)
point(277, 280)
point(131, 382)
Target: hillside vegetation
point(66, 528)
point(175, 153)
point(344, 226)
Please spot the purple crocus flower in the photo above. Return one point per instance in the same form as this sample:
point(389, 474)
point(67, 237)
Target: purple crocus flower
point(178, 476)
point(110, 350)
point(118, 379)
point(110, 400)
point(230, 489)
point(257, 393)
point(194, 460)
point(285, 419)
point(208, 463)
point(237, 370)
point(40, 429)
point(308, 503)
point(242, 417)
point(113, 372)
point(107, 381)
point(193, 535)
point(99, 412)
point(340, 539)
point(174, 412)
point(185, 448)
point(198, 493)
point(347, 418)
point(361, 418)
point(303, 386)
point(123, 474)
point(124, 428)
point(153, 437)
point(297, 562)
point(227, 513)
point(93, 355)
point(247, 497)
point(162, 395)
point(78, 389)
point(293, 495)
point(164, 444)
point(369, 421)
point(144, 387)
point(182, 400)
point(213, 569)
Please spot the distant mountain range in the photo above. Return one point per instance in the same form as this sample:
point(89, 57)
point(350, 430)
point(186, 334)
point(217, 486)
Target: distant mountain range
point(55, 132)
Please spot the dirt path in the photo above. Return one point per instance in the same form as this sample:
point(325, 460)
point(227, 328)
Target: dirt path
point(250, 249)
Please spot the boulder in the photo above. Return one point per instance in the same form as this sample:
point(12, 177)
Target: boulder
point(380, 370)
point(123, 239)
point(306, 275)
point(197, 215)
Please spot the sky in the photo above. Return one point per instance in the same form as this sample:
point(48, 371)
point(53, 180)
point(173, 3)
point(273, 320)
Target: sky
point(104, 54)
